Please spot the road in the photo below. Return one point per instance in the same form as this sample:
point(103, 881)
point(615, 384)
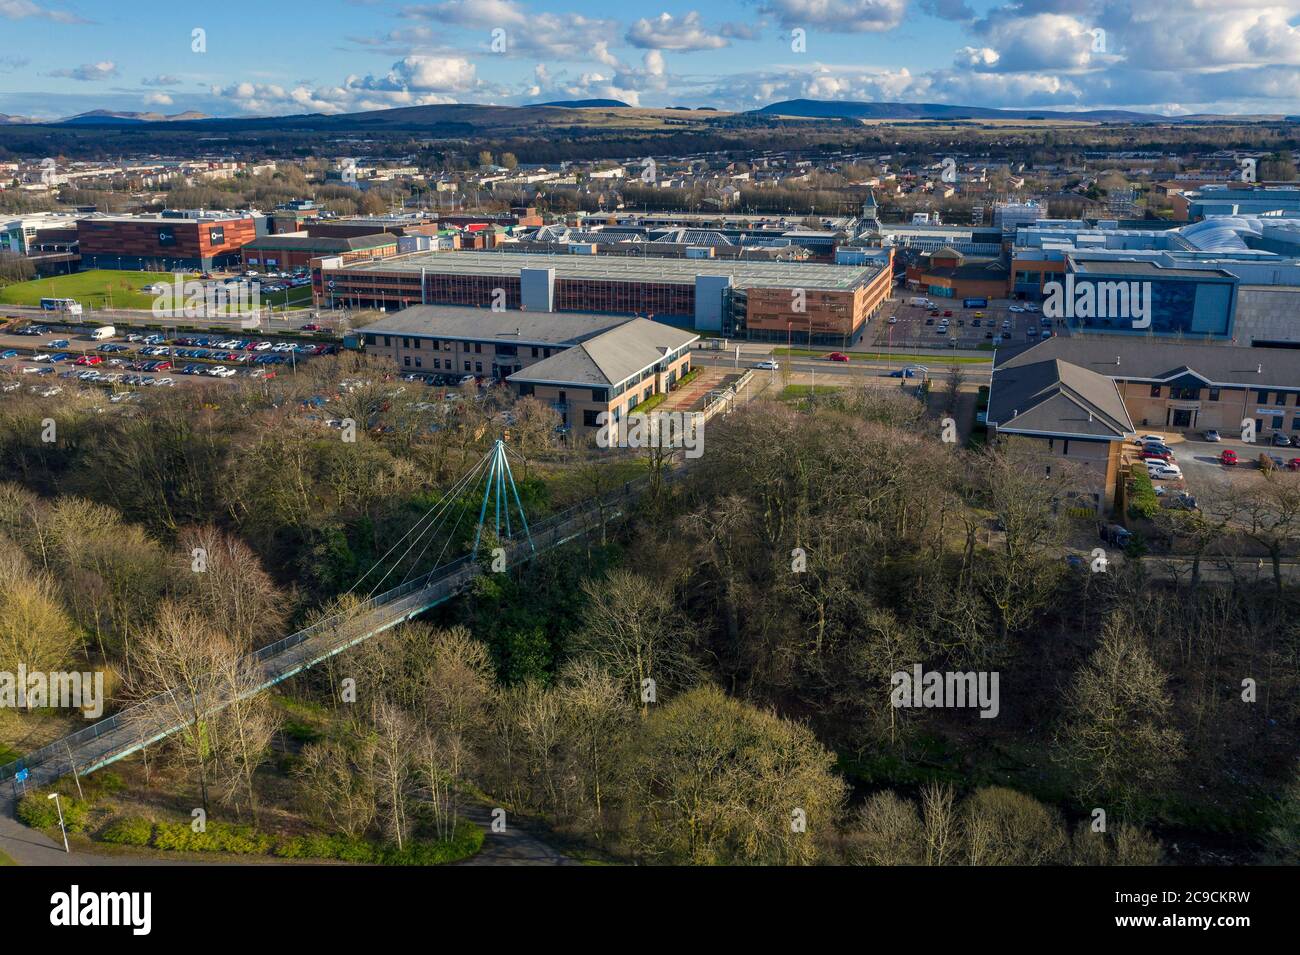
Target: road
point(836, 371)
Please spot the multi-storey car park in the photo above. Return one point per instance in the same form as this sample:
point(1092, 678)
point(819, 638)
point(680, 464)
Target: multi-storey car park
point(761, 301)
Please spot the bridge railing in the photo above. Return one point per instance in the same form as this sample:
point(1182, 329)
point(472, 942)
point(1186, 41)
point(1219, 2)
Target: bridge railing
point(131, 722)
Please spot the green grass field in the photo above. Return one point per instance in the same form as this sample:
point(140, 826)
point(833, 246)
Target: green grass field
point(109, 288)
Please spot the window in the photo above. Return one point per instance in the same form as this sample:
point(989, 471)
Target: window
point(600, 395)
point(387, 341)
point(1155, 391)
point(534, 352)
point(1214, 394)
point(370, 339)
point(1185, 394)
point(1277, 422)
point(467, 366)
point(1261, 395)
point(1065, 446)
point(417, 363)
point(478, 348)
point(417, 343)
point(589, 418)
point(407, 361)
point(478, 367)
point(437, 363)
point(525, 389)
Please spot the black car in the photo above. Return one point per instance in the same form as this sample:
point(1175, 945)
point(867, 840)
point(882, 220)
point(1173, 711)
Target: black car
point(1115, 534)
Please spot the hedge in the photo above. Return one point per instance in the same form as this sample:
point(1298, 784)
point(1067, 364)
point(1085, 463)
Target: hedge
point(128, 831)
point(1143, 501)
point(38, 811)
point(217, 837)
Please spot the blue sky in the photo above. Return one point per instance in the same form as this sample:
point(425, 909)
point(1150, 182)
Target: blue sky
point(61, 57)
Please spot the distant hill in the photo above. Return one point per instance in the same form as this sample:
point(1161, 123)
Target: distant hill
point(587, 103)
point(7, 120)
point(105, 117)
point(830, 109)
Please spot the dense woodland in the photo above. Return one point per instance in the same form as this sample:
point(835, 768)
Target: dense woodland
point(769, 737)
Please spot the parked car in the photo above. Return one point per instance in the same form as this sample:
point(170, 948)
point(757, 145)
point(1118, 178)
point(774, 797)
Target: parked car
point(8, 353)
point(1164, 472)
point(1211, 435)
point(947, 313)
point(929, 321)
point(88, 360)
point(768, 365)
point(1228, 457)
point(1115, 534)
point(310, 327)
point(1293, 464)
point(837, 356)
point(1280, 440)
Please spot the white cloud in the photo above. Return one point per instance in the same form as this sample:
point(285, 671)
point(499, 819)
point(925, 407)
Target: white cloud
point(89, 72)
point(558, 36)
point(851, 16)
point(666, 32)
point(26, 9)
point(158, 99)
point(412, 81)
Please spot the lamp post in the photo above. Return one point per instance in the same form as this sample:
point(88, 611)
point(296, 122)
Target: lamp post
point(58, 805)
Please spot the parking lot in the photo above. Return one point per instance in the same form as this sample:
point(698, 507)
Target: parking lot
point(948, 323)
point(1201, 463)
point(43, 356)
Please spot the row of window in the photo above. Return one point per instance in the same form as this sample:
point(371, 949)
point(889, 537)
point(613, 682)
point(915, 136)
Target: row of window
point(414, 343)
point(1194, 394)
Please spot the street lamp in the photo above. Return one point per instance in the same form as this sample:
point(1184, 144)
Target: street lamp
point(58, 805)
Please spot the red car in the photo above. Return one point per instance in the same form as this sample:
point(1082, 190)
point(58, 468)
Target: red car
point(1157, 456)
point(837, 356)
point(1228, 457)
point(947, 313)
point(88, 360)
point(311, 328)
point(1293, 464)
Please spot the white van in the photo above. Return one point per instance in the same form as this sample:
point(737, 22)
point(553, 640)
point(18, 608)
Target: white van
point(103, 332)
point(919, 302)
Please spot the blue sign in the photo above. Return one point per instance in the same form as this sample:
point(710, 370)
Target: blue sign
point(21, 775)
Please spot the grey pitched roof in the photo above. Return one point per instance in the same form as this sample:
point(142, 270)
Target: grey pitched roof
point(1139, 359)
point(610, 357)
point(515, 326)
point(1057, 398)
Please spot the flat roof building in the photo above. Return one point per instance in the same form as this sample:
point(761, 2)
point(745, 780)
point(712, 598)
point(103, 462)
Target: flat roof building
point(769, 301)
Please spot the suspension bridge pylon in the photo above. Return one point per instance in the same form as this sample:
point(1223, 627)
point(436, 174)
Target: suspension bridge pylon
point(500, 492)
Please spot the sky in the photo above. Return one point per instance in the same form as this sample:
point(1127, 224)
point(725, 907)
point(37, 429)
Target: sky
point(280, 57)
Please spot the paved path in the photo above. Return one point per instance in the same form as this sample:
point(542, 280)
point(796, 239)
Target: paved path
point(515, 846)
point(30, 847)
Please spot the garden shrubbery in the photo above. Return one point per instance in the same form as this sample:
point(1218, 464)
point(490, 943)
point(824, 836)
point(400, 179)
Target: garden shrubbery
point(128, 831)
point(244, 840)
point(38, 811)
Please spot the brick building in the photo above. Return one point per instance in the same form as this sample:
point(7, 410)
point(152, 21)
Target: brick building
point(164, 241)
